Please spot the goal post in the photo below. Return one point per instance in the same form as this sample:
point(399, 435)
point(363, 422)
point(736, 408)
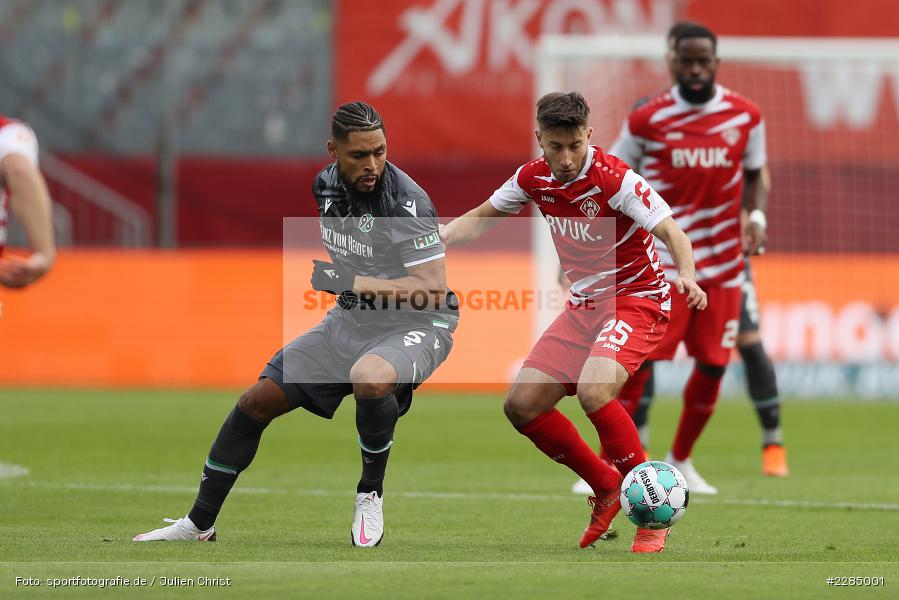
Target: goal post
point(829, 284)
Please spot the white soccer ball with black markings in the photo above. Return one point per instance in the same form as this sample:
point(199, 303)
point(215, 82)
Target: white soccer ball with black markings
point(654, 495)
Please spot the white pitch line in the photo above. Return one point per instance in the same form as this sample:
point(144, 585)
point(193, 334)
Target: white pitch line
point(174, 489)
point(800, 503)
point(9, 470)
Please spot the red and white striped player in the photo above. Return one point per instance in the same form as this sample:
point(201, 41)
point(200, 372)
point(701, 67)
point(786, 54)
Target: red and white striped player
point(24, 192)
point(699, 144)
point(603, 218)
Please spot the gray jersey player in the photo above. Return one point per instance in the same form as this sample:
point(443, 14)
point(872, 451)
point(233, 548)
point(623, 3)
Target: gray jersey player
point(391, 328)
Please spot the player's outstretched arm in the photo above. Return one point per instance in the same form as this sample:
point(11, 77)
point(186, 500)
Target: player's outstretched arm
point(681, 251)
point(471, 225)
point(30, 203)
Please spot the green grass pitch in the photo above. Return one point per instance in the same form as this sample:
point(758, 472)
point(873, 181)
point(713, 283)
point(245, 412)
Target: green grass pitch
point(472, 509)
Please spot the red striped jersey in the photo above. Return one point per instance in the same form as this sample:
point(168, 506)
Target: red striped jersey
point(15, 138)
point(600, 223)
point(695, 155)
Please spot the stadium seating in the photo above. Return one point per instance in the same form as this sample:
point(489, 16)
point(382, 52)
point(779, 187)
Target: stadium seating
point(97, 73)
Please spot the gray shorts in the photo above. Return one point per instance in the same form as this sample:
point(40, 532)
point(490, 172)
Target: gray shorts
point(749, 303)
point(314, 369)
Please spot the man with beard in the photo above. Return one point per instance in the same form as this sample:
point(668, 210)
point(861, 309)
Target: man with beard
point(378, 343)
point(703, 146)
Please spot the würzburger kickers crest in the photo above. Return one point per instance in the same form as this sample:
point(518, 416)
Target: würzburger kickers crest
point(590, 208)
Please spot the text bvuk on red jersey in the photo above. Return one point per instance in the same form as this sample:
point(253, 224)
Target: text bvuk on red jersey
point(700, 157)
point(575, 229)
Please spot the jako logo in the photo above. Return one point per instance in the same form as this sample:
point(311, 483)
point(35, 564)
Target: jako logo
point(619, 461)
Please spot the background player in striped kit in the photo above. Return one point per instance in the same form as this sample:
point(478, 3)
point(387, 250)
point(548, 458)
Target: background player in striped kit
point(698, 142)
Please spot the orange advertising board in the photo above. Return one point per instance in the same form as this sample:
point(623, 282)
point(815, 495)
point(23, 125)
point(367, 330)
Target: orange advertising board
point(213, 318)
point(210, 319)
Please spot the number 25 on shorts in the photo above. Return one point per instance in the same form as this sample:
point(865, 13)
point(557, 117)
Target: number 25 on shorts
point(621, 328)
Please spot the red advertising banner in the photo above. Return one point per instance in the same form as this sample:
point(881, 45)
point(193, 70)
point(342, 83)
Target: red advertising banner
point(822, 18)
point(454, 78)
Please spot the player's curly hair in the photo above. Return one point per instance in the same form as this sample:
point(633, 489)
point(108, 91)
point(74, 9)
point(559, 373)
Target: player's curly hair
point(677, 28)
point(354, 116)
point(694, 30)
point(558, 110)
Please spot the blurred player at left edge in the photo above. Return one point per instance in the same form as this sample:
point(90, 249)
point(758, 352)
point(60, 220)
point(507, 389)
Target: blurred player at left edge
point(23, 193)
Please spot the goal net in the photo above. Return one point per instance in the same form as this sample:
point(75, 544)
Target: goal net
point(829, 282)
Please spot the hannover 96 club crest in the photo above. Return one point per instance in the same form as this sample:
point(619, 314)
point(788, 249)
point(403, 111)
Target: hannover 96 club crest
point(366, 222)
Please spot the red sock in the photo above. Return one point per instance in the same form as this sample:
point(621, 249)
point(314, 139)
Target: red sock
point(618, 436)
point(630, 393)
point(557, 437)
point(700, 395)
point(629, 397)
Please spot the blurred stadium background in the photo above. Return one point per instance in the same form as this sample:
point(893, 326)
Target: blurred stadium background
point(176, 135)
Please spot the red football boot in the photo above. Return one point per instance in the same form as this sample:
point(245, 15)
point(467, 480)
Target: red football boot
point(649, 540)
point(605, 506)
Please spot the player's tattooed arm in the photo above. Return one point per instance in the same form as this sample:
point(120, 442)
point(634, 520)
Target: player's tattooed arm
point(471, 225)
point(681, 251)
point(755, 203)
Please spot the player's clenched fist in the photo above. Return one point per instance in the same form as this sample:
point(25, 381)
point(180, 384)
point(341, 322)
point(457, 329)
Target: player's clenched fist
point(696, 297)
point(328, 277)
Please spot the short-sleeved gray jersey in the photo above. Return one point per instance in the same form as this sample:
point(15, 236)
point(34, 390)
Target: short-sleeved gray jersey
point(380, 234)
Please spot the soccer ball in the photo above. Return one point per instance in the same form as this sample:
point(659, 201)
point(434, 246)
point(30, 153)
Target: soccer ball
point(654, 495)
